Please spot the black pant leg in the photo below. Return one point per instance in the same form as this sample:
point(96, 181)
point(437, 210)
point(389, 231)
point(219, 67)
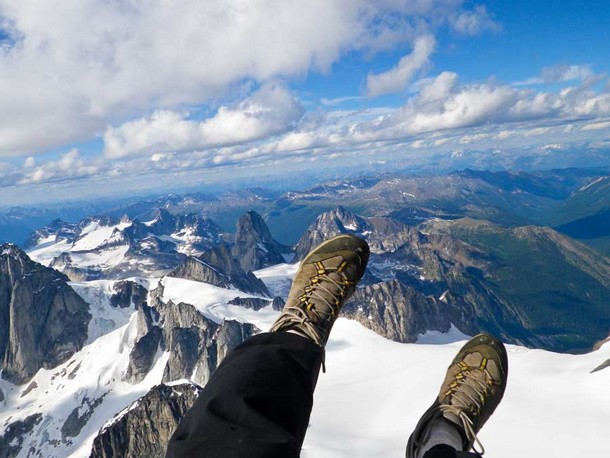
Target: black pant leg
point(445, 451)
point(257, 402)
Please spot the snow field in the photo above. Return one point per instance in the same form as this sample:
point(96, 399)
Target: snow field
point(375, 391)
point(211, 301)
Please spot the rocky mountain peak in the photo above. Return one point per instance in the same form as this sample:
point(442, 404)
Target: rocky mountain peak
point(382, 234)
point(254, 246)
point(252, 223)
point(10, 250)
point(98, 220)
point(43, 322)
point(145, 426)
point(164, 223)
point(56, 229)
point(327, 225)
point(218, 267)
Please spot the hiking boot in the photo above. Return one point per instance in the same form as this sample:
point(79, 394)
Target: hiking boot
point(473, 388)
point(326, 278)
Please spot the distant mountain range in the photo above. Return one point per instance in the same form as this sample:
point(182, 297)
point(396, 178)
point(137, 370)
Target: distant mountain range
point(575, 201)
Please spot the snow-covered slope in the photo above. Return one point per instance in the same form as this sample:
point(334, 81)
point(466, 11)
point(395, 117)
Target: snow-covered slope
point(79, 396)
point(101, 247)
point(375, 390)
point(366, 404)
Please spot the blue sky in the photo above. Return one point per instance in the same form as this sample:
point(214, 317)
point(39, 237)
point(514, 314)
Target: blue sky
point(100, 98)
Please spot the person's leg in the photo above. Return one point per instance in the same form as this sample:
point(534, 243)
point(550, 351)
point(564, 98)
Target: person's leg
point(473, 387)
point(256, 404)
point(258, 401)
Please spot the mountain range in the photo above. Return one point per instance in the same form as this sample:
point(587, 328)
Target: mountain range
point(110, 326)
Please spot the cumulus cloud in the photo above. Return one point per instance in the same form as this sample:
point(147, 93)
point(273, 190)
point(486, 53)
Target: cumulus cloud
point(474, 22)
point(269, 111)
point(444, 106)
point(396, 79)
point(68, 69)
point(559, 74)
point(442, 103)
point(562, 73)
point(69, 166)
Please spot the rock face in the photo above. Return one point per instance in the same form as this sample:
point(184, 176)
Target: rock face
point(128, 293)
point(57, 230)
point(11, 441)
point(195, 343)
point(144, 428)
point(79, 417)
point(396, 311)
point(528, 285)
point(278, 303)
point(218, 267)
point(382, 234)
point(254, 246)
point(43, 322)
point(200, 234)
point(256, 303)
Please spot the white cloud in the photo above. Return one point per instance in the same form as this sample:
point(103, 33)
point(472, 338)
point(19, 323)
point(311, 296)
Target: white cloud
point(396, 79)
point(596, 125)
point(503, 135)
point(69, 165)
point(562, 73)
point(269, 111)
point(559, 74)
point(474, 22)
point(340, 100)
point(442, 103)
point(70, 68)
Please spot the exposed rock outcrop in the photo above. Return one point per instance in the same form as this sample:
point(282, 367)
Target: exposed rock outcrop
point(254, 246)
point(43, 322)
point(278, 303)
point(195, 343)
point(218, 267)
point(142, 356)
point(56, 230)
point(128, 294)
point(199, 233)
point(253, 303)
point(11, 441)
point(396, 311)
point(79, 417)
point(143, 429)
point(602, 366)
point(256, 303)
point(382, 234)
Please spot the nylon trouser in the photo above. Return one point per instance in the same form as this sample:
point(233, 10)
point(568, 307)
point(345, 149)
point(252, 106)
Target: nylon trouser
point(256, 404)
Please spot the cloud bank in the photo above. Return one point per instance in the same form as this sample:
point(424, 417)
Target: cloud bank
point(269, 111)
point(68, 69)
